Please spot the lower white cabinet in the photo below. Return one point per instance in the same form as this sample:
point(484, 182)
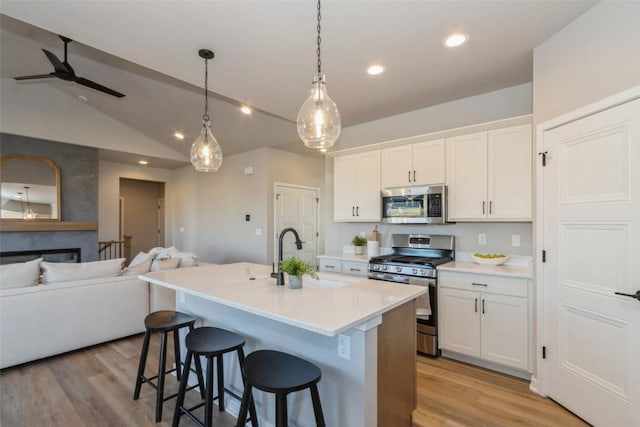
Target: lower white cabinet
point(355, 268)
point(483, 316)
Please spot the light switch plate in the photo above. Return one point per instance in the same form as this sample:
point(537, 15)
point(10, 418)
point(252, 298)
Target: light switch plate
point(482, 239)
point(515, 240)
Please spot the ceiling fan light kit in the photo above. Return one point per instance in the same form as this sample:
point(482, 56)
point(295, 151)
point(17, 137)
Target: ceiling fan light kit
point(64, 71)
point(318, 120)
point(206, 153)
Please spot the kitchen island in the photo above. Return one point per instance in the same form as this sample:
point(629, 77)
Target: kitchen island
point(367, 380)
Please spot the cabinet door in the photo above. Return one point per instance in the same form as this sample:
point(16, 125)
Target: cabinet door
point(509, 183)
point(505, 330)
point(428, 162)
point(397, 167)
point(368, 198)
point(467, 176)
point(344, 188)
point(459, 321)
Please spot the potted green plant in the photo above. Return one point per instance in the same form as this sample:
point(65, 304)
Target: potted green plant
point(359, 243)
point(296, 268)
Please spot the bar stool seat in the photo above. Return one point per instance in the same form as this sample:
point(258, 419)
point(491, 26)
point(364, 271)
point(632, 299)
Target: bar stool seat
point(280, 373)
point(164, 321)
point(210, 342)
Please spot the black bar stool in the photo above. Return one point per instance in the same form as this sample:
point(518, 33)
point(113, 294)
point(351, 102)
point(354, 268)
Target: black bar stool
point(211, 343)
point(280, 373)
point(164, 321)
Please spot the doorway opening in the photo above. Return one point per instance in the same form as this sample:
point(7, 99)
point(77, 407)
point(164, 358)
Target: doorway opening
point(142, 213)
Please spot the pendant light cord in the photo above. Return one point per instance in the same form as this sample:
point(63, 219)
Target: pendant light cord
point(319, 40)
point(205, 117)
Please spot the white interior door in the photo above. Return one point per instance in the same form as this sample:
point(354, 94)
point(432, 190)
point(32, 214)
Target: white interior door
point(297, 207)
point(591, 222)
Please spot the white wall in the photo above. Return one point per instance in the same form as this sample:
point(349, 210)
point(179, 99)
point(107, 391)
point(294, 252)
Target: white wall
point(492, 106)
point(593, 57)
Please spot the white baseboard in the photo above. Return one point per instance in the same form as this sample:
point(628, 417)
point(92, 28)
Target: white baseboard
point(488, 365)
point(534, 386)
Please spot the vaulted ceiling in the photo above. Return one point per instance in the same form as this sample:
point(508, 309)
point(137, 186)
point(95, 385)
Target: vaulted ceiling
point(265, 57)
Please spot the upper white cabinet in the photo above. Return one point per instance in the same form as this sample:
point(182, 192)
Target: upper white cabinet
point(356, 187)
point(489, 175)
point(415, 164)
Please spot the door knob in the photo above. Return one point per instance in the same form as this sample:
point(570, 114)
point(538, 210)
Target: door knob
point(636, 295)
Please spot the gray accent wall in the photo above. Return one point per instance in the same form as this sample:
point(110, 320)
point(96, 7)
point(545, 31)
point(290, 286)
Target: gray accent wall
point(78, 194)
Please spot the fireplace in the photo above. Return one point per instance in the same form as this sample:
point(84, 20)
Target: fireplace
point(49, 255)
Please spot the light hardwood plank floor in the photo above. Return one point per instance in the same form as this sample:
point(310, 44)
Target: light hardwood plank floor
point(94, 387)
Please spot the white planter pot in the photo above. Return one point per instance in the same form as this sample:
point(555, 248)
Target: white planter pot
point(295, 282)
point(359, 250)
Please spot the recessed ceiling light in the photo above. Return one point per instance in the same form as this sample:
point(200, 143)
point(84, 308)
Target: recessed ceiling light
point(456, 40)
point(245, 109)
point(143, 162)
point(323, 150)
point(375, 70)
point(178, 135)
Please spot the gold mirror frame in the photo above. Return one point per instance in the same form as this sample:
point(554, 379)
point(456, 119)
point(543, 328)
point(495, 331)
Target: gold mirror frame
point(56, 170)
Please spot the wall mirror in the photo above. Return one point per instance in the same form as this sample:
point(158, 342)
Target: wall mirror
point(30, 188)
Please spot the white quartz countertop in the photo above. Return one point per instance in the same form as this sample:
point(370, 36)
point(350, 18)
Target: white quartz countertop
point(346, 257)
point(327, 307)
point(522, 271)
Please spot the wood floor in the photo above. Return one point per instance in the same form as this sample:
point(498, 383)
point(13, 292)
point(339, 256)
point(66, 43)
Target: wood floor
point(94, 387)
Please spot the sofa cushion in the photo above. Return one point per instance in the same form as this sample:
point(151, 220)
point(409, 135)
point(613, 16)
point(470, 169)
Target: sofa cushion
point(187, 259)
point(141, 268)
point(20, 274)
point(141, 258)
point(54, 272)
point(164, 263)
point(160, 252)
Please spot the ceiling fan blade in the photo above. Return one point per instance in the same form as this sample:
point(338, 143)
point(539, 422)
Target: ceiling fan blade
point(37, 76)
point(96, 86)
point(58, 66)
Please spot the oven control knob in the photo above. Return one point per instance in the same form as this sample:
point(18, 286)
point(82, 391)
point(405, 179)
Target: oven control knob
point(414, 271)
point(383, 268)
point(399, 269)
point(423, 272)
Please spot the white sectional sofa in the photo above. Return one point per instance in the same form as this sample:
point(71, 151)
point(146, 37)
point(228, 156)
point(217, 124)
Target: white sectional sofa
point(45, 320)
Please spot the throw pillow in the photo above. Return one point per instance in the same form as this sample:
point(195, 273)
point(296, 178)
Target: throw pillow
point(20, 274)
point(187, 259)
point(164, 263)
point(141, 268)
point(54, 272)
point(160, 252)
point(141, 258)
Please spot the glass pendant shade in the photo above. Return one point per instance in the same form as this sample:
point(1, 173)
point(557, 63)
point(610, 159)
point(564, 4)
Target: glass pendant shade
point(318, 120)
point(206, 154)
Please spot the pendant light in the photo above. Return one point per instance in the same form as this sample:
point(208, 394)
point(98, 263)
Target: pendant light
point(318, 119)
point(206, 154)
point(28, 214)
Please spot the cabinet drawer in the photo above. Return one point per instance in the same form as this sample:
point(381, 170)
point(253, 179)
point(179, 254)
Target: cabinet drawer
point(484, 283)
point(331, 265)
point(355, 268)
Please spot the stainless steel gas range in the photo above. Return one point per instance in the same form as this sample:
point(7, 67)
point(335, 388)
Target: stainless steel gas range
point(414, 259)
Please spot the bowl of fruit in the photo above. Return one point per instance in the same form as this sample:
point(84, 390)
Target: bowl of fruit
point(489, 259)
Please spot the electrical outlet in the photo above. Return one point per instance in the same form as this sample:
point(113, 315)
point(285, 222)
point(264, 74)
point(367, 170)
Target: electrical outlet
point(258, 231)
point(515, 240)
point(482, 239)
point(344, 346)
point(363, 234)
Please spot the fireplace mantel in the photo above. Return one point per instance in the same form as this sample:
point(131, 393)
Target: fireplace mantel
point(47, 226)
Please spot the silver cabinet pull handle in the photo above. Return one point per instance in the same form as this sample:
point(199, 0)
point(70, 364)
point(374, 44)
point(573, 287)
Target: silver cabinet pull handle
point(409, 176)
point(353, 211)
point(357, 210)
point(483, 205)
point(479, 284)
point(476, 305)
point(355, 269)
point(490, 207)
point(329, 266)
point(482, 306)
point(414, 176)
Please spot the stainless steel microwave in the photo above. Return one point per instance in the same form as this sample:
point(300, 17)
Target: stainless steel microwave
point(415, 205)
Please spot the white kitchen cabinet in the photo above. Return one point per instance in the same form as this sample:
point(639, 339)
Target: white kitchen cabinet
point(486, 317)
point(352, 267)
point(356, 187)
point(414, 164)
point(489, 175)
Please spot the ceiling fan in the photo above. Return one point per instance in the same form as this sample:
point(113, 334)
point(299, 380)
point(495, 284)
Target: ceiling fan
point(63, 70)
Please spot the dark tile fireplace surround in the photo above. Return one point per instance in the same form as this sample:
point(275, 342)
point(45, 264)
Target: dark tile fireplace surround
point(78, 194)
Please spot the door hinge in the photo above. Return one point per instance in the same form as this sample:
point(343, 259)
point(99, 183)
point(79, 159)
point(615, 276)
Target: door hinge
point(544, 256)
point(544, 352)
point(317, 199)
point(544, 157)
point(277, 196)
